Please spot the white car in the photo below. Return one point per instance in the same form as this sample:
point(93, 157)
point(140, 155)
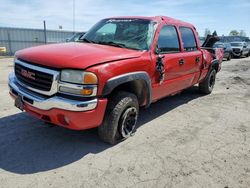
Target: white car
point(240, 49)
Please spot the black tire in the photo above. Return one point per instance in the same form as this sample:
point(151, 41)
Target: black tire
point(229, 57)
point(120, 118)
point(247, 55)
point(206, 87)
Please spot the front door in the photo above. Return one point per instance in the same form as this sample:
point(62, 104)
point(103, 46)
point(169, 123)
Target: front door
point(179, 65)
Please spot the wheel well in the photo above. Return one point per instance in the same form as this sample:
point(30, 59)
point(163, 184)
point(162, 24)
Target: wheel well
point(137, 87)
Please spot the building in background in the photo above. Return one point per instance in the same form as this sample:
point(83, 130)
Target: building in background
point(228, 39)
point(14, 39)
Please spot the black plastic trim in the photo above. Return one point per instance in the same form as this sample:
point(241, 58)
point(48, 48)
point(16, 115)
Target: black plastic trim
point(128, 77)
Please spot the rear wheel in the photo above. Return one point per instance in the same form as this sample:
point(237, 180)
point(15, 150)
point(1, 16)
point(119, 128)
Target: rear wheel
point(207, 85)
point(120, 118)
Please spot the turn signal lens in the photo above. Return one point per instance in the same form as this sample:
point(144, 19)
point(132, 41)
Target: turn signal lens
point(90, 78)
point(83, 91)
point(87, 91)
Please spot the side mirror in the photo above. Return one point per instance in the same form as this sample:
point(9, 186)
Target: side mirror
point(157, 50)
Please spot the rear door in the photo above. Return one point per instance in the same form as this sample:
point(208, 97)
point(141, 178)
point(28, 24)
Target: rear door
point(192, 56)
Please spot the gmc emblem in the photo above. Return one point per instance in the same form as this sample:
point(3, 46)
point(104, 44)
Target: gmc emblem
point(28, 74)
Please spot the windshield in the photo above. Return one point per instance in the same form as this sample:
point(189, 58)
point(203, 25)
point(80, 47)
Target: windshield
point(236, 44)
point(125, 33)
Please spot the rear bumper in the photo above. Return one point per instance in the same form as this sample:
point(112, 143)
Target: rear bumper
point(73, 114)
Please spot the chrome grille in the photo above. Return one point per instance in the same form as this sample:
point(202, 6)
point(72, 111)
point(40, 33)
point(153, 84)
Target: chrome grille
point(236, 50)
point(38, 79)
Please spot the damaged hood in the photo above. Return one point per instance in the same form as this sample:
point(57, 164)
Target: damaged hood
point(75, 55)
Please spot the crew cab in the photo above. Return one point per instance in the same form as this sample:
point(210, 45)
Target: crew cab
point(118, 66)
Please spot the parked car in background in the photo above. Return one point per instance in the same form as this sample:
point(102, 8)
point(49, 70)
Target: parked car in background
point(240, 49)
point(226, 48)
point(75, 37)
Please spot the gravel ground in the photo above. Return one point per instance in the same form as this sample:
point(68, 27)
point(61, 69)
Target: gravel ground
point(188, 140)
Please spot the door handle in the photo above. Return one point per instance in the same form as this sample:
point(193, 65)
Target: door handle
point(197, 60)
point(181, 62)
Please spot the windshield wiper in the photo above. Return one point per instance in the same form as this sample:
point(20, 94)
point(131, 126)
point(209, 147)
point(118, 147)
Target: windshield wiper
point(110, 43)
point(120, 45)
point(86, 40)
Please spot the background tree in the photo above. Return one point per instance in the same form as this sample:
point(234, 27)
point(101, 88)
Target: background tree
point(234, 33)
point(207, 32)
point(215, 33)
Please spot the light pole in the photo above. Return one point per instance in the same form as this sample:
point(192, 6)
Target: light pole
point(74, 16)
point(44, 30)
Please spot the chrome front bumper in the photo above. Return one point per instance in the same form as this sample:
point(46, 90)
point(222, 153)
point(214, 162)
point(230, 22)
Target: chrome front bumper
point(47, 103)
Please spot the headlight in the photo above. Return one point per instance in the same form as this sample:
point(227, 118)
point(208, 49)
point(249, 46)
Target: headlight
point(78, 77)
point(78, 82)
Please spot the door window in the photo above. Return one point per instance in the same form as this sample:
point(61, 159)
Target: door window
point(168, 41)
point(188, 39)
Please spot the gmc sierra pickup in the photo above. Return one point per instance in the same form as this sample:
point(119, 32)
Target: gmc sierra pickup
point(119, 65)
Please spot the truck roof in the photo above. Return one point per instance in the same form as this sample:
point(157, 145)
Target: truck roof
point(157, 18)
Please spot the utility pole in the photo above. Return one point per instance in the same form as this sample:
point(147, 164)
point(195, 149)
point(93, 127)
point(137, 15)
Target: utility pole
point(9, 43)
point(74, 16)
point(44, 29)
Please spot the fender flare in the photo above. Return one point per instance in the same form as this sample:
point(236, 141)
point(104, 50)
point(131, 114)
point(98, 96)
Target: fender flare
point(116, 81)
point(215, 63)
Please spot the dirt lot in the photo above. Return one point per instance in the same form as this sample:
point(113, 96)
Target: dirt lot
point(188, 140)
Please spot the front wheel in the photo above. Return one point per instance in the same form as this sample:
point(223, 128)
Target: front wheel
point(120, 118)
point(207, 85)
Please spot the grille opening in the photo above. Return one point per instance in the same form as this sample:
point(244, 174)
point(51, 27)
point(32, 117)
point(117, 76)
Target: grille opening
point(63, 119)
point(46, 118)
point(14, 92)
point(39, 80)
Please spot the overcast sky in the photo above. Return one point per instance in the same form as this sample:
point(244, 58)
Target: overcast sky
point(219, 15)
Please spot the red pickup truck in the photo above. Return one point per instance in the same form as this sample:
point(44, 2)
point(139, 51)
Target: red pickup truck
point(119, 65)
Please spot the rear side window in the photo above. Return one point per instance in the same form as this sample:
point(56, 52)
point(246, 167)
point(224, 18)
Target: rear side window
point(168, 41)
point(188, 39)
